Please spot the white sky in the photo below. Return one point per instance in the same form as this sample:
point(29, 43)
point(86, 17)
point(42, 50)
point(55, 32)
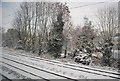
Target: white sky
point(80, 10)
point(77, 14)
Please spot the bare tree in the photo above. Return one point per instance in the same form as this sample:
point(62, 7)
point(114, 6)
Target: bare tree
point(108, 26)
point(34, 21)
point(22, 22)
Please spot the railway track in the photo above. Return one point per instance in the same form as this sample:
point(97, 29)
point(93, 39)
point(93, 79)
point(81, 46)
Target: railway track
point(31, 75)
point(74, 67)
point(33, 70)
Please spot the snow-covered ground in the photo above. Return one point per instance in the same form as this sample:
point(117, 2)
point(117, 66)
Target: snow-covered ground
point(11, 74)
point(63, 60)
point(59, 69)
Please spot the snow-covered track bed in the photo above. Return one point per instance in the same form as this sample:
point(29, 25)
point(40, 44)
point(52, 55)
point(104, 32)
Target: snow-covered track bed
point(4, 77)
point(18, 72)
point(38, 72)
point(10, 72)
point(104, 73)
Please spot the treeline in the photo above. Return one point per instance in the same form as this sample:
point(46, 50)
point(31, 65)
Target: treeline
point(38, 27)
point(46, 28)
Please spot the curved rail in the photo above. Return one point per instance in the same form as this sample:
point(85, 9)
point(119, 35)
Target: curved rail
point(73, 66)
point(37, 69)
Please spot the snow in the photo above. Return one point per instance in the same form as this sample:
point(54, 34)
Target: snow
point(11, 74)
point(58, 68)
point(26, 75)
point(34, 71)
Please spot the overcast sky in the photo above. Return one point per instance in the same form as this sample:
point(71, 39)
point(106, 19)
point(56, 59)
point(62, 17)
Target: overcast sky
point(78, 10)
